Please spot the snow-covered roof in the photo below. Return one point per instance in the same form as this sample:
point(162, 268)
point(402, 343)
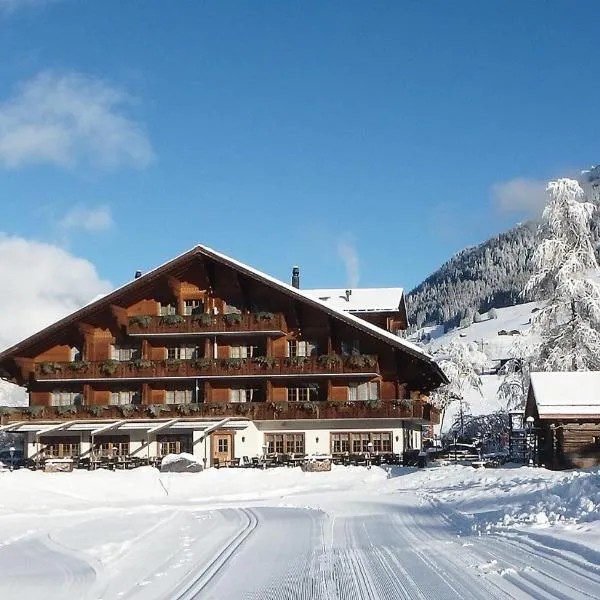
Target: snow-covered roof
point(566, 394)
point(360, 299)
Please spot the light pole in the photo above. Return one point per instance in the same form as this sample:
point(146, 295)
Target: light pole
point(530, 439)
point(11, 452)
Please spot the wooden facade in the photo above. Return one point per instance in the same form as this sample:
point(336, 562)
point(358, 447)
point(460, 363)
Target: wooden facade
point(564, 415)
point(204, 335)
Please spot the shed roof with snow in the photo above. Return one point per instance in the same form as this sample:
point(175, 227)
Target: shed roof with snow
point(561, 395)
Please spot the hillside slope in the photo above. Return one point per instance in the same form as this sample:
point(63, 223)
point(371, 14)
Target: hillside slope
point(475, 280)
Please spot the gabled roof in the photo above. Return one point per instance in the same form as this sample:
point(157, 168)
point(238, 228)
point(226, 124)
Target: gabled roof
point(558, 394)
point(166, 268)
point(360, 299)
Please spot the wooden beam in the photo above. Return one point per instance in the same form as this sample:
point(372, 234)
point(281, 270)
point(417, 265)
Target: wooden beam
point(120, 314)
point(163, 426)
point(212, 428)
point(56, 427)
point(108, 427)
point(11, 425)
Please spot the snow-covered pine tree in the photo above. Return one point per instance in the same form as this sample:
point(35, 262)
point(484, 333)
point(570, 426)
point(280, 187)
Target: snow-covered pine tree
point(461, 363)
point(565, 277)
point(512, 391)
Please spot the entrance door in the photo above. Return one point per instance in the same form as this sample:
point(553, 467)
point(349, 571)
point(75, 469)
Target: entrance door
point(222, 447)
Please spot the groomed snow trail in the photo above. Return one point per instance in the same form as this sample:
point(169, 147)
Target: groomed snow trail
point(369, 541)
point(387, 550)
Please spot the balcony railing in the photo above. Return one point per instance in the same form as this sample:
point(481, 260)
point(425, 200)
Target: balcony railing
point(256, 411)
point(328, 364)
point(205, 323)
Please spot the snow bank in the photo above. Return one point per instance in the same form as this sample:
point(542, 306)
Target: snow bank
point(24, 491)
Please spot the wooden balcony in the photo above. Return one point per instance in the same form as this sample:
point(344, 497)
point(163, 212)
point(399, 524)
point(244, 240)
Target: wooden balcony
point(203, 368)
point(255, 411)
point(206, 324)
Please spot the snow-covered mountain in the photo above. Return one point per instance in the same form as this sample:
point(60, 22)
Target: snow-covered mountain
point(476, 279)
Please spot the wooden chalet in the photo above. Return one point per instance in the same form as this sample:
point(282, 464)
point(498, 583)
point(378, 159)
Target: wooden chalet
point(209, 356)
point(565, 408)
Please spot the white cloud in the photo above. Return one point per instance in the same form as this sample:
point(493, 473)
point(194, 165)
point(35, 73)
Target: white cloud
point(41, 284)
point(527, 196)
point(88, 219)
point(347, 252)
point(67, 119)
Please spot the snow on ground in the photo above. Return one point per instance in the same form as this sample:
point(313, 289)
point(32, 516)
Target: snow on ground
point(441, 532)
point(485, 334)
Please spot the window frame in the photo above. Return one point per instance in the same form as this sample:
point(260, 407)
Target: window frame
point(304, 392)
point(285, 443)
point(358, 441)
point(66, 398)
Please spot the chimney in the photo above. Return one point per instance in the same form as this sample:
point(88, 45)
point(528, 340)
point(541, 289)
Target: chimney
point(138, 274)
point(296, 277)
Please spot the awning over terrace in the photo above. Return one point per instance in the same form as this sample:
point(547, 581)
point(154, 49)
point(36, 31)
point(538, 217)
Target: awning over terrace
point(125, 425)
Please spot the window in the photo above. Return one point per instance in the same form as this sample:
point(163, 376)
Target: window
point(166, 309)
point(174, 444)
point(125, 397)
point(180, 396)
point(340, 442)
point(302, 348)
point(288, 443)
point(61, 447)
point(241, 394)
point(363, 391)
point(193, 307)
point(382, 442)
point(223, 445)
point(66, 398)
point(124, 353)
point(242, 351)
point(182, 352)
point(350, 347)
point(358, 443)
point(117, 446)
point(308, 392)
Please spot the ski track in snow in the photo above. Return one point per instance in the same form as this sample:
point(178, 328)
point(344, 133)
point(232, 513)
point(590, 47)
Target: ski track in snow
point(391, 547)
point(397, 551)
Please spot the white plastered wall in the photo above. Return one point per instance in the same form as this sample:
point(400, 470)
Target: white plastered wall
point(248, 442)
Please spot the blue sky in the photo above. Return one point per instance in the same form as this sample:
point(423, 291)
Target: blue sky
point(360, 140)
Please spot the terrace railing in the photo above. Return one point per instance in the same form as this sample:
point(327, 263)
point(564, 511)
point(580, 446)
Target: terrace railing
point(256, 411)
point(205, 323)
point(329, 364)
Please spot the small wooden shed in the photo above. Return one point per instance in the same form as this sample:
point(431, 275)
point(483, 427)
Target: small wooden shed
point(566, 418)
